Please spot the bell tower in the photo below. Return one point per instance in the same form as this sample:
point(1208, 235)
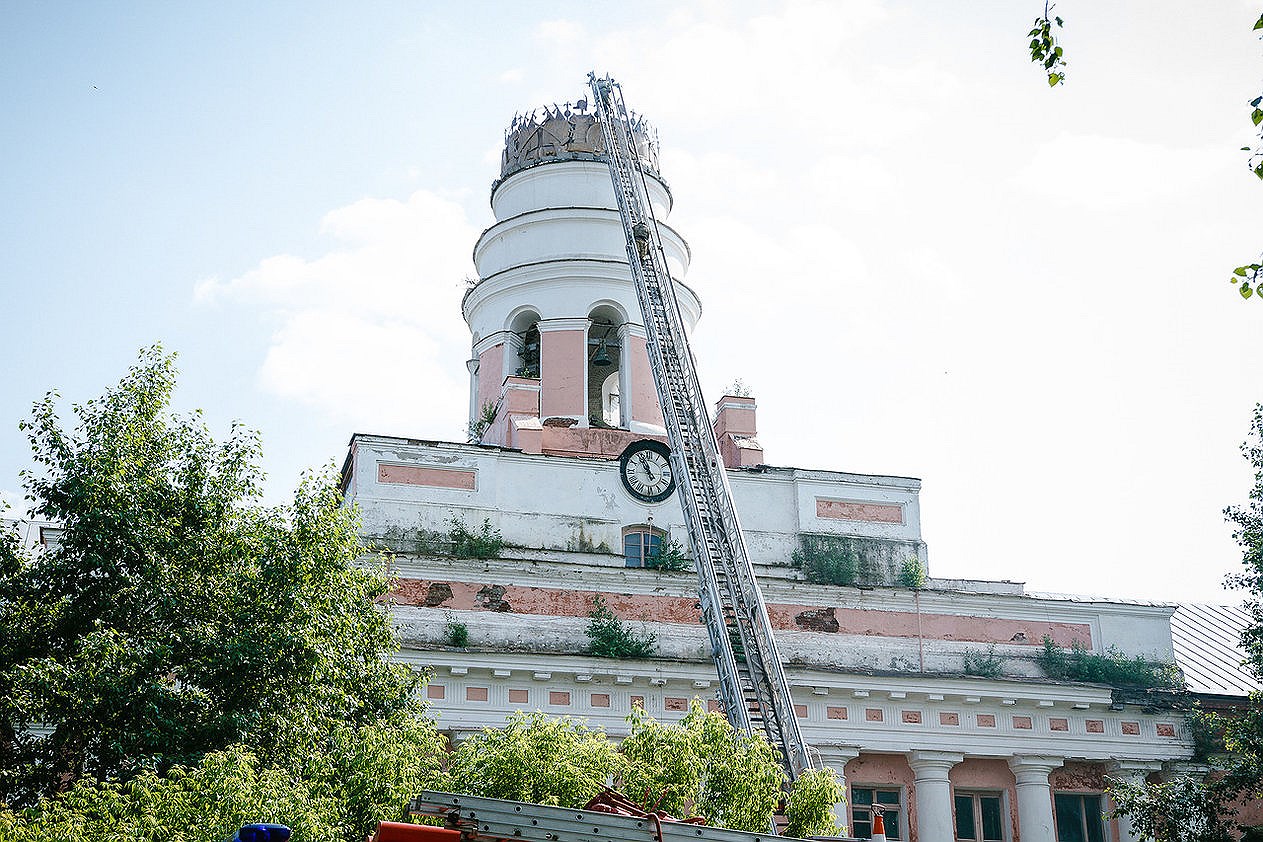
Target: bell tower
point(559, 362)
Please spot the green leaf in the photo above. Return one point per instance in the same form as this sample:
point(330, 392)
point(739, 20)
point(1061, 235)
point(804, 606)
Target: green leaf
point(1239, 271)
point(1259, 170)
point(1055, 78)
point(1245, 291)
point(1259, 23)
point(1257, 116)
point(1256, 101)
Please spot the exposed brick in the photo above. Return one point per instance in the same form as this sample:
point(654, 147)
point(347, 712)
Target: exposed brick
point(873, 715)
point(835, 712)
point(1165, 729)
point(714, 706)
point(638, 702)
point(912, 717)
point(676, 703)
point(986, 720)
point(1058, 724)
point(437, 594)
point(559, 697)
point(1131, 728)
point(435, 691)
point(948, 718)
point(1022, 723)
point(1094, 726)
point(600, 700)
point(818, 620)
point(475, 694)
point(800, 711)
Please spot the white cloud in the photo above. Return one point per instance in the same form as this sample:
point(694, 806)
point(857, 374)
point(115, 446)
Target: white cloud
point(369, 332)
point(512, 76)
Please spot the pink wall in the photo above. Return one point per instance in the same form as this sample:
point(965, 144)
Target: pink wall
point(886, 770)
point(561, 367)
point(978, 774)
point(563, 602)
point(490, 376)
point(644, 396)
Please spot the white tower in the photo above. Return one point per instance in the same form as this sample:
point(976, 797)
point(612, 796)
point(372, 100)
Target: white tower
point(558, 338)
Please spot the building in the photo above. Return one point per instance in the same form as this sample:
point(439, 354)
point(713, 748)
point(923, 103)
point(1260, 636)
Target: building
point(928, 695)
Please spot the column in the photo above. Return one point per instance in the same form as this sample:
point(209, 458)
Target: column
point(836, 758)
point(934, 793)
point(638, 394)
point(1034, 797)
point(1132, 772)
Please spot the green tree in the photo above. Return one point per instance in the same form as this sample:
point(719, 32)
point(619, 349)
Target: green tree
point(703, 766)
point(177, 616)
point(1191, 810)
point(536, 758)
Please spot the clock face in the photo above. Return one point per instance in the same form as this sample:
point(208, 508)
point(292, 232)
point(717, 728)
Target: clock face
point(646, 471)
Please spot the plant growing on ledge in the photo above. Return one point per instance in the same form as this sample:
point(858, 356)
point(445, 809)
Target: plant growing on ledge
point(485, 419)
point(609, 637)
point(826, 559)
point(457, 632)
point(1110, 667)
point(485, 543)
point(912, 574)
point(670, 557)
point(983, 664)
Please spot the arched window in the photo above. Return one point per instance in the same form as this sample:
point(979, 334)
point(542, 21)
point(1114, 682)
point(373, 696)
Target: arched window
point(640, 543)
point(523, 357)
point(604, 365)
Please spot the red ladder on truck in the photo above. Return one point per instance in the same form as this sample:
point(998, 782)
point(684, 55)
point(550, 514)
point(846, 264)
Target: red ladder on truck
point(753, 688)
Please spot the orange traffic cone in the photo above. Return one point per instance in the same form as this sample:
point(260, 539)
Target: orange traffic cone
point(879, 828)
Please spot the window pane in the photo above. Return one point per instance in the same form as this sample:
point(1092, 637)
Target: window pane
point(1069, 818)
point(631, 549)
point(1093, 819)
point(888, 796)
point(965, 817)
point(992, 828)
point(861, 796)
point(892, 824)
point(862, 829)
point(652, 543)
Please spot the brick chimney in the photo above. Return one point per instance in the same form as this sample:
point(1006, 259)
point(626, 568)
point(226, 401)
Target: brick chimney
point(735, 429)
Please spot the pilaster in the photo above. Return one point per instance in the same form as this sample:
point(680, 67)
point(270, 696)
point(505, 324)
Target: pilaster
point(1133, 772)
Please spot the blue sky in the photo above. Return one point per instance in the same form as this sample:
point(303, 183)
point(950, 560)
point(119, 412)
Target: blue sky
point(922, 260)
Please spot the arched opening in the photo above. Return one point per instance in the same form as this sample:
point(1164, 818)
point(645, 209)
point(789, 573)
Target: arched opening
point(523, 345)
point(604, 368)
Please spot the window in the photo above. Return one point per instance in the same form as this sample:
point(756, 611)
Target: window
point(1079, 817)
point(862, 801)
point(640, 544)
point(980, 816)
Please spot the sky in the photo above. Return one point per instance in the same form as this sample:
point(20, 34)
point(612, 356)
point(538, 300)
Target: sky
point(921, 259)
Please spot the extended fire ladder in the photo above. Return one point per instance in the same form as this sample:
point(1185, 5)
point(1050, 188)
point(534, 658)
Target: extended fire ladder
point(753, 688)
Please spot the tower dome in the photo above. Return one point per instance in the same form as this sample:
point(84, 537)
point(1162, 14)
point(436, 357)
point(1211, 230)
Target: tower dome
point(559, 362)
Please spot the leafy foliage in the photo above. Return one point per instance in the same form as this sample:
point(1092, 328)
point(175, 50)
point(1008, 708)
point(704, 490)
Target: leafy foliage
point(671, 557)
point(811, 803)
point(1044, 48)
point(486, 417)
point(535, 758)
point(983, 664)
point(912, 574)
point(1110, 667)
point(702, 766)
point(609, 637)
point(465, 543)
point(178, 617)
point(457, 632)
point(1180, 810)
point(826, 559)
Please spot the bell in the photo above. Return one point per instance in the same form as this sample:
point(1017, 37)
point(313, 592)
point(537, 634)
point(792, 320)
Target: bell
point(602, 357)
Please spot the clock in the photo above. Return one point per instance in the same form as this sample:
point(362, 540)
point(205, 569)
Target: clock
point(645, 468)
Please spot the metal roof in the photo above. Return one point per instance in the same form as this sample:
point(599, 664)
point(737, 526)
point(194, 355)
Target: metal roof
point(1207, 642)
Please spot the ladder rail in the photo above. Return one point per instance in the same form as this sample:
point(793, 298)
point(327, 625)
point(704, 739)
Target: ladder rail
point(753, 685)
